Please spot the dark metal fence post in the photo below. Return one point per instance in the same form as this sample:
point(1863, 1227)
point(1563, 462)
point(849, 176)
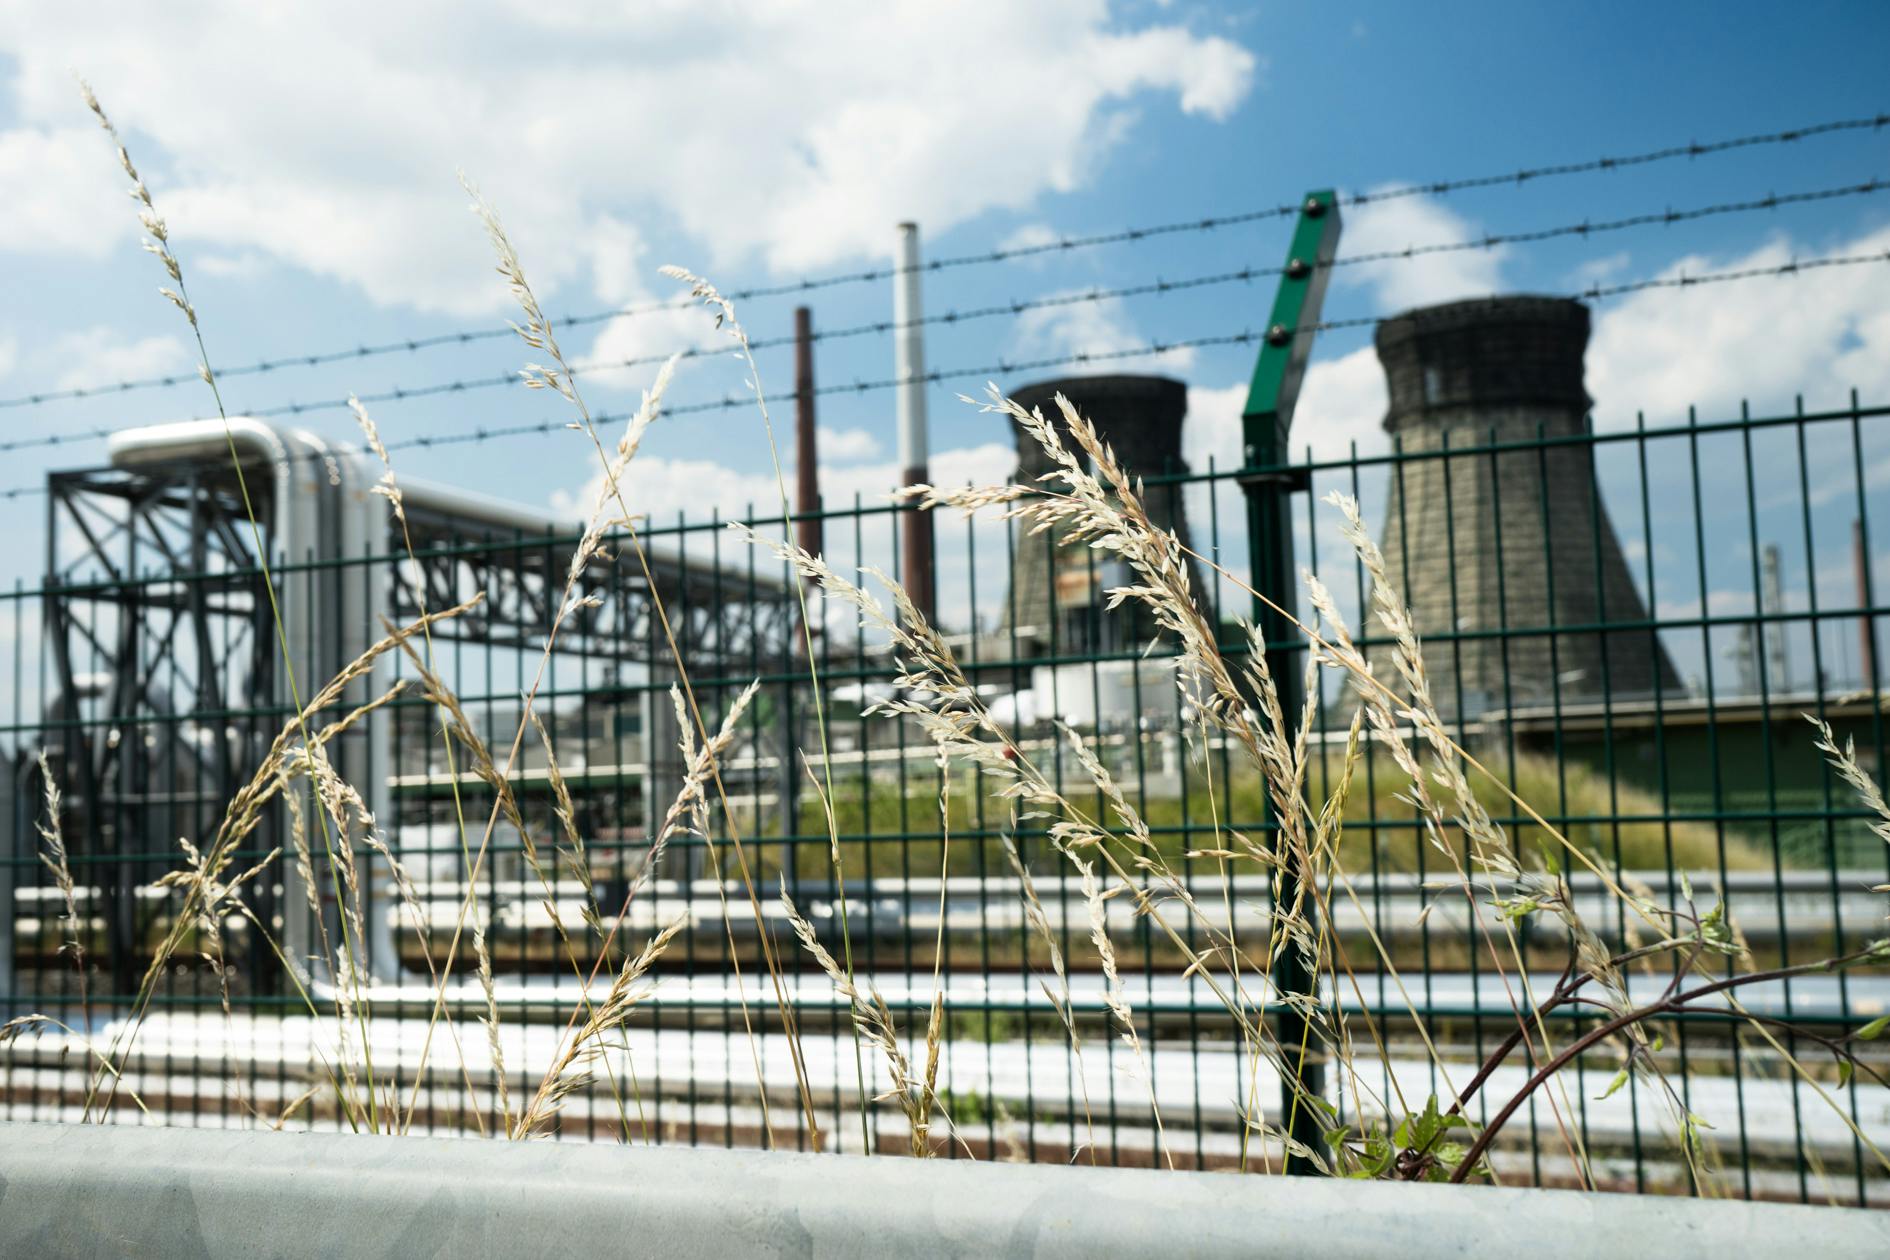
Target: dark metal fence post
point(1278, 371)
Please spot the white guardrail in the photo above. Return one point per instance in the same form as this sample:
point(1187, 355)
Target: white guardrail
point(96, 1191)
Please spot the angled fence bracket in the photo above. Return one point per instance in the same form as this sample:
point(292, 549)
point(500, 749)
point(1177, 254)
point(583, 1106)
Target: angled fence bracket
point(1268, 417)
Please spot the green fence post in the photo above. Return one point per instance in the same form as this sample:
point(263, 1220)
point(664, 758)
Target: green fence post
point(1268, 416)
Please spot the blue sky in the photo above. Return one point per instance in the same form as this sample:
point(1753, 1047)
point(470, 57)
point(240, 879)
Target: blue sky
point(306, 163)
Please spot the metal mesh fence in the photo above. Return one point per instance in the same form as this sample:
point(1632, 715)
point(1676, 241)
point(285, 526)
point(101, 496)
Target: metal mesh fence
point(1626, 626)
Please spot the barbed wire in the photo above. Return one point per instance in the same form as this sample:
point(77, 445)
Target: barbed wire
point(1005, 367)
point(1132, 235)
point(1487, 241)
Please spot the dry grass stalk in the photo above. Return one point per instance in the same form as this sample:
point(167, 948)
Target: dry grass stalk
point(1113, 994)
point(1104, 510)
point(874, 1022)
point(52, 837)
point(458, 727)
point(1844, 761)
point(537, 333)
point(936, 696)
point(37, 1024)
point(1489, 851)
point(689, 811)
point(1039, 921)
point(157, 244)
point(567, 1072)
point(570, 849)
point(491, 1021)
point(700, 289)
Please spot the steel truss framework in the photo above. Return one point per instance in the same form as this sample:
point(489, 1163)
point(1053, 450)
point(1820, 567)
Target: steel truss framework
point(165, 660)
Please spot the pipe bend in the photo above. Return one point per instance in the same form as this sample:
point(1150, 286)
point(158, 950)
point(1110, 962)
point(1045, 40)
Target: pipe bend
point(195, 439)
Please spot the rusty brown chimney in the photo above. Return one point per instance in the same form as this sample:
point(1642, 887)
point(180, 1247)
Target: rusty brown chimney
point(807, 529)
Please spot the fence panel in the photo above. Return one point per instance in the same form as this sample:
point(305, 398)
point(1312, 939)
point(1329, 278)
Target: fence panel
point(1626, 627)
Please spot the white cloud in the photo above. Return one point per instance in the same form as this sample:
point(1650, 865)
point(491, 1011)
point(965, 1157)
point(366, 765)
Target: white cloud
point(1599, 270)
point(642, 341)
point(1030, 236)
point(661, 486)
point(102, 354)
point(1085, 327)
point(736, 126)
point(64, 192)
point(1212, 74)
point(1422, 279)
point(9, 354)
point(241, 266)
point(1818, 333)
point(1342, 402)
point(846, 446)
point(1212, 429)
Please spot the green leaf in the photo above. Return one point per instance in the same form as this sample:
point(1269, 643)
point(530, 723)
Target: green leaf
point(1874, 1029)
point(1449, 1155)
point(1376, 1159)
point(1844, 1073)
point(1620, 1079)
point(1516, 908)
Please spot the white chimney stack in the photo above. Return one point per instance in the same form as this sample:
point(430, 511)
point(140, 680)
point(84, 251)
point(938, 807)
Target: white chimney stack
point(909, 356)
point(909, 370)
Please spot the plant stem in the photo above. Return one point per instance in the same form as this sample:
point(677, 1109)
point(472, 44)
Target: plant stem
point(1669, 1004)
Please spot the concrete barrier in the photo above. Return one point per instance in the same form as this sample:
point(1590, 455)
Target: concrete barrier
point(96, 1191)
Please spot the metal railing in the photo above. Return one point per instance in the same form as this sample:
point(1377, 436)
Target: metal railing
point(81, 1192)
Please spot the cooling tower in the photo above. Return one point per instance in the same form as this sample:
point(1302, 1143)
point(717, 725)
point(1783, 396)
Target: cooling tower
point(1505, 544)
point(1056, 593)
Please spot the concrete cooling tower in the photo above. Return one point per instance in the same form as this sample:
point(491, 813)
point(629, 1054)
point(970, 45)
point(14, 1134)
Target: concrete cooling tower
point(1056, 593)
point(1515, 540)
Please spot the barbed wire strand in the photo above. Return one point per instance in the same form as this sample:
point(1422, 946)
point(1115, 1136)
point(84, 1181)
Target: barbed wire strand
point(1487, 241)
point(1005, 367)
point(1132, 235)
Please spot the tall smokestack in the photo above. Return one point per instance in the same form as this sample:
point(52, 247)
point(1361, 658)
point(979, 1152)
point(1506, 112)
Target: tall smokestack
point(909, 370)
point(807, 531)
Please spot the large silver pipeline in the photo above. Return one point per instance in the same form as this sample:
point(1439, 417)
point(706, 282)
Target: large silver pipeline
point(323, 514)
